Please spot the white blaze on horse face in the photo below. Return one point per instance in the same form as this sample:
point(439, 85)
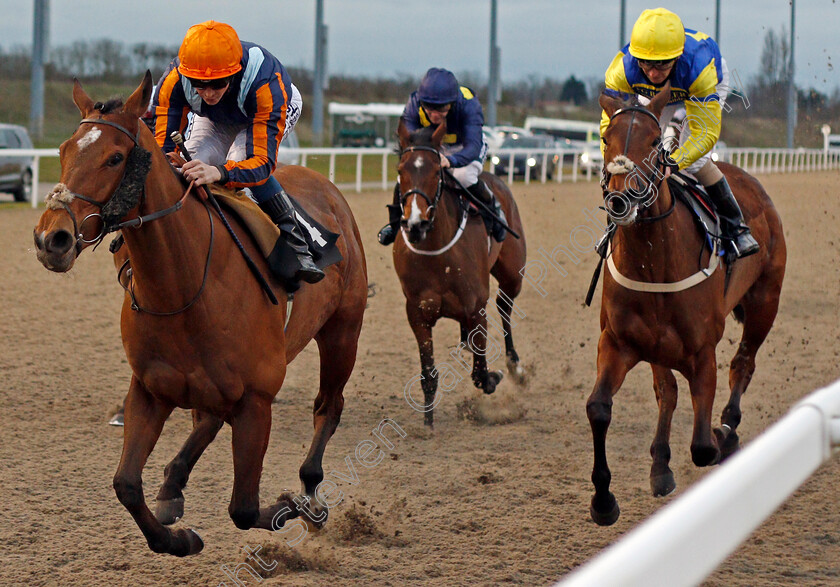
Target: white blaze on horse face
point(418, 163)
point(90, 137)
point(415, 217)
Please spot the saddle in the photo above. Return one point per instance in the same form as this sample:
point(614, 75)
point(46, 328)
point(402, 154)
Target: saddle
point(280, 256)
point(690, 192)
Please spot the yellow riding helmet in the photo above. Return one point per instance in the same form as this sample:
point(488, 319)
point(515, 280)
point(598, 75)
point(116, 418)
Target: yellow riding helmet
point(211, 50)
point(658, 35)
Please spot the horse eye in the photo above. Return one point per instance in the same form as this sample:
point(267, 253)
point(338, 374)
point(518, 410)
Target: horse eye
point(115, 160)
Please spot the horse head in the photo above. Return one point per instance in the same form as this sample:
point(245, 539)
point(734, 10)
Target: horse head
point(103, 171)
point(633, 156)
point(420, 177)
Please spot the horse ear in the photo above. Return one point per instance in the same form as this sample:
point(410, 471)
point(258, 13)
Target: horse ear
point(437, 136)
point(403, 133)
point(138, 102)
point(609, 104)
point(83, 102)
point(660, 100)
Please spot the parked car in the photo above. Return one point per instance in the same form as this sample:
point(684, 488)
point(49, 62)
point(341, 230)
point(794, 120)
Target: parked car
point(591, 158)
point(15, 172)
point(531, 163)
point(496, 135)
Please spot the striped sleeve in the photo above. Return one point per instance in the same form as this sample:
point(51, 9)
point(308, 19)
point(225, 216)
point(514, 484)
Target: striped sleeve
point(703, 112)
point(170, 108)
point(268, 123)
point(617, 86)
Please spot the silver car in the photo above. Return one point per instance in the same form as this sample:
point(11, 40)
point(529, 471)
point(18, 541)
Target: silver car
point(15, 172)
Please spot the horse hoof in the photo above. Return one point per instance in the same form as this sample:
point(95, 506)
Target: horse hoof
point(493, 379)
point(169, 511)
point(117, 420)
point(191, 540)
point(315, 516)
point(517, 373)
point(705, 456)
point(604, 514)
point(730, 444)
point(662, 485)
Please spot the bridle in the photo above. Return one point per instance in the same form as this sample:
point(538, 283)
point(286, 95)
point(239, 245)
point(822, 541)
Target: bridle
point(431, 202)
point(655, 176)
point(136, 169)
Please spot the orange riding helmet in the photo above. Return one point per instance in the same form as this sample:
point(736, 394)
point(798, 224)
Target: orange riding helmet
point(211, 50)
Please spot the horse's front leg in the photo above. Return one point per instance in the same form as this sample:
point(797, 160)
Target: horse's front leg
point(251, 425)
point(613, 365)
point(665, 387)
point(702, 382)
point(480, 345)
point(170, 499)
point(144, 419)
point(422, 328)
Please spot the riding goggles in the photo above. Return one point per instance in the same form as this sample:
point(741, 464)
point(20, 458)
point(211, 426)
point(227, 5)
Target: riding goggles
point(657, 65)
point(209, 84)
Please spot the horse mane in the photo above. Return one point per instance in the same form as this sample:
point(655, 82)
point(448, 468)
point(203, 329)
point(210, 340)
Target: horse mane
point(111, 106)
point(422, 137)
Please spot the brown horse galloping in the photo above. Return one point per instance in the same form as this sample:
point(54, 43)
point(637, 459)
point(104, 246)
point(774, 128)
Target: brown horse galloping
point(223, 349)
point(656, 243)
point(444, 262)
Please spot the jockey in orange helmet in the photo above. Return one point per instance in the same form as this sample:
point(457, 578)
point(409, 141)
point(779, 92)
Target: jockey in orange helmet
point(243, 104)
point(661, 50)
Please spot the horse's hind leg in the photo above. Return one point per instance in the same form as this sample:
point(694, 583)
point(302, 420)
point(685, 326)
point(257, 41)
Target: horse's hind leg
point(505, 305)
point(337, 345)
point(758, 310)
point(170, 499)
point(144, 419)
point(613, 366)
point(665, 387)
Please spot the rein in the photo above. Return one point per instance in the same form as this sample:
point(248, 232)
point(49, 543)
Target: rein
point(432, 203)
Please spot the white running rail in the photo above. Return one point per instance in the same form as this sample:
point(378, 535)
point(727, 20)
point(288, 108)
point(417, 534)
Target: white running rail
point(687, 539)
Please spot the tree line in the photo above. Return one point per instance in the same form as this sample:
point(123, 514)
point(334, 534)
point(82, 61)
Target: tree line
point(115, 62)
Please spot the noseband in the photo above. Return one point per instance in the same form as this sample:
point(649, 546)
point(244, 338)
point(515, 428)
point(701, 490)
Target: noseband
point(656, 172)
point(431, 202)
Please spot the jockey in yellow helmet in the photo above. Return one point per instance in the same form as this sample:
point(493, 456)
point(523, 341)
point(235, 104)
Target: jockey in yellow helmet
point(661, 50)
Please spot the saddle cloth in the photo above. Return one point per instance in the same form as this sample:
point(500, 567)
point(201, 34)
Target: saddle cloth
point(686, 188)
point(280, 256)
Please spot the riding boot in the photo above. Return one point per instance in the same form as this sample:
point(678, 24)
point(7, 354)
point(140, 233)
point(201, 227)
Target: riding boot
point(281, 212)
point(480, 191)
point(732, 224)
point(388, 234)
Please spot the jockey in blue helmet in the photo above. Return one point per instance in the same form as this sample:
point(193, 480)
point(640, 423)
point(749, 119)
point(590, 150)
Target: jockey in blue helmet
point(441, 98)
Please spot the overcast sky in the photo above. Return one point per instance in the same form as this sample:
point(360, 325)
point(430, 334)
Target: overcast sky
point(546, 38)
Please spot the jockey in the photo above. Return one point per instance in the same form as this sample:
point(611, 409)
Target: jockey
point(244, 104)
point(440, 98)
point(661, 51)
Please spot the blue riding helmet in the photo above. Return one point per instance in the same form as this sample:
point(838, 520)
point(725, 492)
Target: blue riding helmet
point(438, 86)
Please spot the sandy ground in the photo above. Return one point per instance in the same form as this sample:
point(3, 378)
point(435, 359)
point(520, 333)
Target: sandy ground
point(473, 503)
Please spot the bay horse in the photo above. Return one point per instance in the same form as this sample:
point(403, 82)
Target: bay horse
point(198, 330)
point(444, 260)
point(655, 242)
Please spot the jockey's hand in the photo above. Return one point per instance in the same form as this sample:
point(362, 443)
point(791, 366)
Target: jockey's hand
point(444, 162)
point(200, 173)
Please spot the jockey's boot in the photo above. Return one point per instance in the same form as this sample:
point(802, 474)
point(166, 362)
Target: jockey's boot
point(731, 220)
point(480, 191)
point(281, 212)
point(388, 234)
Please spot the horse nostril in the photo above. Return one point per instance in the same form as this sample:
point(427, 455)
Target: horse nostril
point(424, 224)
point(58, 242)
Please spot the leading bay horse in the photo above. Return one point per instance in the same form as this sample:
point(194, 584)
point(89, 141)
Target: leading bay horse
point(198, 330)
point(444, 260)
point(655, 242)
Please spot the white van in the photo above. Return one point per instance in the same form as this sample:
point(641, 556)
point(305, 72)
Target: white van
point(571, 134)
